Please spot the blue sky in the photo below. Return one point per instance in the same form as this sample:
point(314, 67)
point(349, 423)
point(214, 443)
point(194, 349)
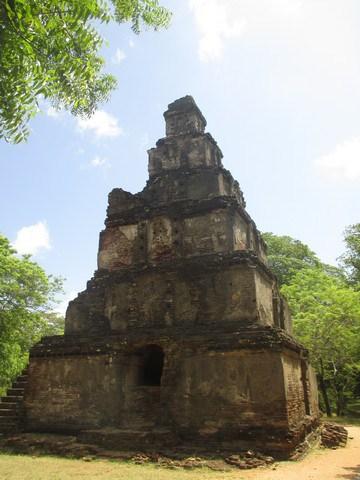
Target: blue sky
point(277, 81)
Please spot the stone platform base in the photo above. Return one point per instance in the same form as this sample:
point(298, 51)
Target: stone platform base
point(274, 443)
point(120, 439)
point(125, 443)
point(93, 444)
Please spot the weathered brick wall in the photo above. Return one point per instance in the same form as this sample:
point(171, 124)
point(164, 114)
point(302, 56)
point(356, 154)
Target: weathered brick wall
point(313, 392)
point(264, 298)
point(230, 390)
point(66, 393)
point(286, 316)
point(207, 233)
point(241, 232)
point(172, 153)
point(182, 298)
point(162, 238)
point(202, 391)
point(120, 247)
point(190, 120)
point(294, 388)
point(219, 390)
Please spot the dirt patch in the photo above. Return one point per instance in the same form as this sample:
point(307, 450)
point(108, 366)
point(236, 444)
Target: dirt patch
point(319, 464)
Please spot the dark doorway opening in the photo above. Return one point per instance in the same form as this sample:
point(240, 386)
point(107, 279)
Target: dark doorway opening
point(151, 365)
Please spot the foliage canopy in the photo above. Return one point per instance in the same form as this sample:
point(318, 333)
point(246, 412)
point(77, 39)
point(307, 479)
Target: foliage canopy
point(351, 258)
point(326, 318)
point(286, 256)
point(26, 293)
point(325, 311)
point(51, 48)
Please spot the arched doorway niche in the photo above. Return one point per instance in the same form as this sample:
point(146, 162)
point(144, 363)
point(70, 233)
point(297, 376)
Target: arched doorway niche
point(150, 367)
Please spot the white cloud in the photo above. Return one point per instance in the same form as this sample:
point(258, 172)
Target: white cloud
point(215, 23)
point(99, 162)
point(31, 239)
point(53, 112)
point(343, 163)
point(119, 56)
point(102, 124)
point(131, 44)
point(221, 20)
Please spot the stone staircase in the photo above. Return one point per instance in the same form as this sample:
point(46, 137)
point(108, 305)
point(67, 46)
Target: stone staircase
point(11, 405)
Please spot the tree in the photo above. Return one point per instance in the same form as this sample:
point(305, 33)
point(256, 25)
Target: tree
point(286, 256)
point(50, 48)
point(326, 317)
point(351, 258)
point(325, 311)
point(26, 295)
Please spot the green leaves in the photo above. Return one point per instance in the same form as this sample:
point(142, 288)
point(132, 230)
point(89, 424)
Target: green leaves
point(326, 314)
point(351, 258)
point(286, 256)
point(326, 318)
point(26, 293)
point(138, 12)
point(51, 48)
point(325, 309)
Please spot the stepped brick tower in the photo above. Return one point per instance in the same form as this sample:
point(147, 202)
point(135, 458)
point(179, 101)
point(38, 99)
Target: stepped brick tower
point(181, 337)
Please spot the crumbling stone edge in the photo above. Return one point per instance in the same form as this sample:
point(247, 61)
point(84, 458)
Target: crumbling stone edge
point(327, 435)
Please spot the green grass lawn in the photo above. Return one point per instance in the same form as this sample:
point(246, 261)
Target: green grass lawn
point(22, 467)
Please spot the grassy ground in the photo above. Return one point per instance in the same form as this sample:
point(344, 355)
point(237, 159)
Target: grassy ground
point(353, 408)
point(21, 467)
point(352, 416)
point(348, 420)
point(25, 467)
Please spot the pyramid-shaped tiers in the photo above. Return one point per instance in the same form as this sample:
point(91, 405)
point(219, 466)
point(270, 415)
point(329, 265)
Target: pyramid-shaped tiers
point(182, 336)
point(183, 252)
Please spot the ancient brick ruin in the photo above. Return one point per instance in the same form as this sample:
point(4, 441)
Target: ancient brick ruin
point(181, 337)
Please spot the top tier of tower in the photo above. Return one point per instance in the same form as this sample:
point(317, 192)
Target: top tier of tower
point(186, 145)
point(183, 116)
point(190, 206)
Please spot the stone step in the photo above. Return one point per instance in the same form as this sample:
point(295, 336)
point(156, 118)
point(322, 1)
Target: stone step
point(19, 384)
point(7, 412)
point(8, 405)
point(7, 420)
point(9, 428)
point(19, 392)
point(11, 413)
point(12, 399)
